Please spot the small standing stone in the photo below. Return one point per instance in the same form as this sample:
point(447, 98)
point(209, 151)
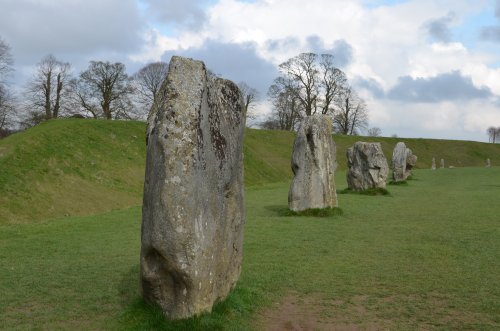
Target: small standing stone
point(193, 210)
point(442, 163)
point(433, 166)
point(488, 163)
point(313, 166)
point(367, 166)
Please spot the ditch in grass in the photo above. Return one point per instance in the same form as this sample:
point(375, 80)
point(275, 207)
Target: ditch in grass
point(314, 212)
point(401, 183)
point(371, 191)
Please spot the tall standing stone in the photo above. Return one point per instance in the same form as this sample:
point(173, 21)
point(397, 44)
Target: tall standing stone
point(193, 209)
point(367, 166)
point(488, 163)
point(442, 163)
point(403, 162)
point(313, 166)
point(433, 166)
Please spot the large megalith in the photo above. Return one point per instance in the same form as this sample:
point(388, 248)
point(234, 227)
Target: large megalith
point(367, 166)
point(433, 165)
point(193, 209)
point(403, 162)
point(313, 166)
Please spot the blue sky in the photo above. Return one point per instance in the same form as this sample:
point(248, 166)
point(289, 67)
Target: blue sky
point(426, 68)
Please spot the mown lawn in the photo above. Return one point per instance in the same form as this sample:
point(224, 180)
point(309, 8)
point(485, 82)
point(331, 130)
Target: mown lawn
point(425, 257)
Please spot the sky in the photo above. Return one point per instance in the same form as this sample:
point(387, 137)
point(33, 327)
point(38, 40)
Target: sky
point(426, 68)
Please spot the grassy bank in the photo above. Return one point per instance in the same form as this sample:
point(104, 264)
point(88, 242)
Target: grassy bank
point(79, 167)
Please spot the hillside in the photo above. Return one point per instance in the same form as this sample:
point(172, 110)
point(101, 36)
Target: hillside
point(82, 167)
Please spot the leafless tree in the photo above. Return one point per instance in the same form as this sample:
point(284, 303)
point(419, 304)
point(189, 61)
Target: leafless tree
point(302, 70)
point(7, 108)
point(374, 132)
point(332, 81)
point(6, 98)
point(249, 97)
point(48, 89)
point(148, 81)
point(287, 107)
point(104, 89)
point(493, 134)
point(351, 113)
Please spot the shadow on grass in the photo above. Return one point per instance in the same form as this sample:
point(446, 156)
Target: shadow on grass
point(138, 315)
point(371, 191)
point(314, 212)
point(400, 183)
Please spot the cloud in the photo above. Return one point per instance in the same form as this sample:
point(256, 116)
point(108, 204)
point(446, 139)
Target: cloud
point(235, 61)
point(341, 50)
point(186, 13)
point(444, 87)
point(439, 28)
point(36, 28)
point(492, 32)
point(371, 85)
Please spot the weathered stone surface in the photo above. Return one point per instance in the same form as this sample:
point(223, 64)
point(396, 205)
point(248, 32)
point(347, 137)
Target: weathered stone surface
point(367, 166)
point(411, 161)
point(442, 163)
point(313, 165)
point(488, 163)
point(433, 166)
point(403, 161)
point(193, 210)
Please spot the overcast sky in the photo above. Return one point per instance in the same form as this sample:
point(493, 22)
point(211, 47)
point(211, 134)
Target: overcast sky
point(427, 68)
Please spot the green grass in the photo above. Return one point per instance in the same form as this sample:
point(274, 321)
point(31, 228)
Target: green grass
point(426, 258)
point(76, 167)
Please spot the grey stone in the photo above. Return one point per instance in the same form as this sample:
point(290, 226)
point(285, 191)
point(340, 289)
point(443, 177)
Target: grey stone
point(403, 162)
point(433, 166)
point(442, 163)
point(488, 163)
point(313, 165)
point(367, 166)
point(193, 209)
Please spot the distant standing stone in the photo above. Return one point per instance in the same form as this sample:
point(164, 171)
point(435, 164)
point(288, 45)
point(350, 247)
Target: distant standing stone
point(403, 162)
point(313, 166)
point(442, 163)
point(433, 166)
point(367, 166)
point(193, 210)
point(488, 163)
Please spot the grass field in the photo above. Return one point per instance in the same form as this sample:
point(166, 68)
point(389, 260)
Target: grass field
point(425, 257)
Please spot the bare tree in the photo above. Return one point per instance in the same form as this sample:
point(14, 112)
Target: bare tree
point(104, 89)
point(374, 132)
point(148, 81)
point(6, 98)
point(303, 72)
point(493, 134)
point(249, 97)
point(351, 113)
point(332, 81)
point(287, 107)
point(48, 89)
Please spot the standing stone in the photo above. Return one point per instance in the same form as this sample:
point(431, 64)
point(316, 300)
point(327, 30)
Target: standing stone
point(193, 209)
point(442, 163)
point(488, 163)
point(313, 166)
point(403, 162)
point(433, 166)
point(367, 166)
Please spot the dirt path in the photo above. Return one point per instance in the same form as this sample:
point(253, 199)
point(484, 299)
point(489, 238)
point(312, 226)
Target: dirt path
point(297, 312)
